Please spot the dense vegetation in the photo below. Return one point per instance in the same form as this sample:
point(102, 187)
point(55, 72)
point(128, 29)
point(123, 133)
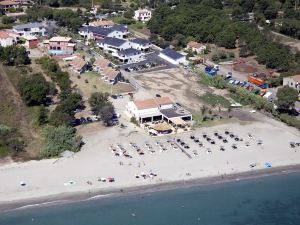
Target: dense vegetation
point(14, 55)
point(247, 98)
point(284, 15)
point(208, 24)
point(102, 107)
point(60, 139)
point(69, 102)
point(10, 142)
point(64, 17)
point(34, 89)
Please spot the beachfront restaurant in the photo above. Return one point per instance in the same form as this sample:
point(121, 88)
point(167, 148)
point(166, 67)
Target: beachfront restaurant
point(159, 109)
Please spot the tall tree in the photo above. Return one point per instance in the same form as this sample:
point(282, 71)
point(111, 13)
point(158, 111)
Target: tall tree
point(286, 98)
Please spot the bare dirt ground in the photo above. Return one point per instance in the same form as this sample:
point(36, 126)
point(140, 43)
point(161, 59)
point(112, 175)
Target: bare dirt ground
point(174, 83)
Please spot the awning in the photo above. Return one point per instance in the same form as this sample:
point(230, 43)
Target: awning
point(162, 127)
point(178, 121)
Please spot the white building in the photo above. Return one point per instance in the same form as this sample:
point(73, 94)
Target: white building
point(91, 32)
point(196, 47)
point(113, 45)
point(148, 109)
point(6, 39)
point(141, 44)
point(7, 5)
point(154, 109)
point(130, 55)
point(173, 57)
point(293, 82)
point(31, 29)
point(142, 15)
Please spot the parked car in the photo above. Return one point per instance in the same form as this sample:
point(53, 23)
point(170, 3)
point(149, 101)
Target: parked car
point(83, 120)
point(96, 118)
point(75, 122)
point(89, 119)
point(114, 96)
point(158, 95)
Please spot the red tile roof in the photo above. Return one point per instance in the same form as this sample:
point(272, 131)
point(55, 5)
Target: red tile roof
point(102, 62)
point(152, 102)
point(194, 44)
point(4, 34)
point(296, 78)
point(77, 63)
point(110, 73)
point(101, 23)
point(9, 3)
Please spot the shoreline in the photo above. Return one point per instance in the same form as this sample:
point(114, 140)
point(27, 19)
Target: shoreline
point(93, 194)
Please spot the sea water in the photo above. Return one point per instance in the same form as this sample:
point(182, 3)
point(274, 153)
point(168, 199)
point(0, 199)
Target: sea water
point(271, 200)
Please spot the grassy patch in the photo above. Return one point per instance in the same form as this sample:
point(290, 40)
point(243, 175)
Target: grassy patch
point(122, 20)
point(138, 25)
point(90, 82)
point(4, 151)
point(215, 100)
point(14, 113)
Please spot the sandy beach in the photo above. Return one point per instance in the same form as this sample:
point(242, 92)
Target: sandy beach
point(80, 173)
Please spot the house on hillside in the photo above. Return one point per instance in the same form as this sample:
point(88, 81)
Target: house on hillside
point(293, 82)
point(78, 65)
point(196, 47)
point(100, 64)
point(141, 44)
point(130, 55)
point(121, 28)
point(30, 42)
point(142, 15)
point(7, 5)
point(6, 38)
point(91, 32)
point(173, 57)
point(110, 75)
point(60, 46)
point(113, 45)
point(31, 29)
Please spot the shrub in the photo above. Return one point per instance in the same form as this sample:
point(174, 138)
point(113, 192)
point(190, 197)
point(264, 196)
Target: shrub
point(60, 139)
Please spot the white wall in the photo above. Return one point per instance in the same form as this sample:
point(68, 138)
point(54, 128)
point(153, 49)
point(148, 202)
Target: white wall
point(31, 32)
point(6, 42)
point(134, 111)
point(175, 62)
point(291, 83)
point(168, 106)
point(140, 47)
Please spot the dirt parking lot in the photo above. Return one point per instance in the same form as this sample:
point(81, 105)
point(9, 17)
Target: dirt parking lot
point(175, 83)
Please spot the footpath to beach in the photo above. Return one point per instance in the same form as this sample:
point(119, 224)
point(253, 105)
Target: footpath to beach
point(77, 177)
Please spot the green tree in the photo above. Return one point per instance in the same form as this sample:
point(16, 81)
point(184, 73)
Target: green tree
point(14, 55)
point(7, 20)
point(72, 102)
point(60, 139)
point(42, 115)
point(106, 112)
point(286, 98)
point(97, 101)
point(33, 89)
point(59, 118)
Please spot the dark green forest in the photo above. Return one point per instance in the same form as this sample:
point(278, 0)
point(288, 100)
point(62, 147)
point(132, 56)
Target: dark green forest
point(209, 21)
